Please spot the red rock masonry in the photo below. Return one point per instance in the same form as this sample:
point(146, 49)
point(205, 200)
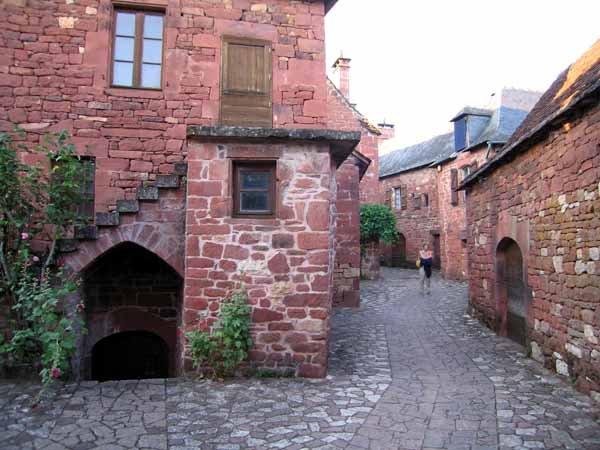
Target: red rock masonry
point(547, 200)
point(286, 261)
point(54, 74)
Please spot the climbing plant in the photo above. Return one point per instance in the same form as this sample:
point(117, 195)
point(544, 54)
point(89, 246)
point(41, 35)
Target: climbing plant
point(226, 344)
point(37, 208)
point(377, 223)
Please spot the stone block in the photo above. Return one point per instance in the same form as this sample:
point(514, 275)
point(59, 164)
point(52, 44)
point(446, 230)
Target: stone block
point(128, 206)
point(107, 219)
point(147, 193)
point(167, 181)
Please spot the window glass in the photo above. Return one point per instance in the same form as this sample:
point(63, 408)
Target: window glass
point(123, 74)
point(124, 47)
point(254, 202)
point(153, 26)
point(397, 198)
point(152, 51)
point(254, 188)
point(151, 75)
point(125, 24)
point(255, 180)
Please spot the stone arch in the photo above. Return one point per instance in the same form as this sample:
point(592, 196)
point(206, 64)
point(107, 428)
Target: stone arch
point(511, 291)
point(147, 235)
point(399, 251)
point(131, 289)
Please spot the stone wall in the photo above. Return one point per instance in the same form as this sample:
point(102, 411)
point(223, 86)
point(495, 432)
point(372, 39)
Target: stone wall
point(453, 218)
point(286, 261)
point(417, 225)
point(54, 75)
point(547, 200)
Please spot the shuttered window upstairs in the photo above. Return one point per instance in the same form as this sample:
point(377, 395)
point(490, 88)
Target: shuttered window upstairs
point(453, 187)
point(246, 97)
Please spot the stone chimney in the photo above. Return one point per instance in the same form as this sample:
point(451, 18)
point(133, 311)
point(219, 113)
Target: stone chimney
point(388, 130)
point(342, 70)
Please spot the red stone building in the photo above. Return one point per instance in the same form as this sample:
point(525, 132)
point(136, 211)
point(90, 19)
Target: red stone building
point(535, 230)
point(206, 123)
point(420, 181)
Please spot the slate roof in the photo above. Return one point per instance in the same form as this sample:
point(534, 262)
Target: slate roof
point(470, 110)
point(577, 86)
point(416, 156)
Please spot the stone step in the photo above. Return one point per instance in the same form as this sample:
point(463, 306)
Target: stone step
point(167, 181)
point(66, 245)
point(181, 169)
point(86, 232)
point(107, 219)
point(147, 193)
point(128, 206)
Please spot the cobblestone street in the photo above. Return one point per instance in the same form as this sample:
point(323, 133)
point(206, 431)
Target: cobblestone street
point(407, 372)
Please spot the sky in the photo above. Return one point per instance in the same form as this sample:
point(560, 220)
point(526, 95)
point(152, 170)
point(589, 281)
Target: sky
point(416, 63)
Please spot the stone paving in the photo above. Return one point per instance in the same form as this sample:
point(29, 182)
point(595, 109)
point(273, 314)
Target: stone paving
point(407, 372)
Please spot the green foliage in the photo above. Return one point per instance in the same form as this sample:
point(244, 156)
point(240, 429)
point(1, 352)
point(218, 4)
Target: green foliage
point(228, 342)
point(37, 203)
point(377, 223)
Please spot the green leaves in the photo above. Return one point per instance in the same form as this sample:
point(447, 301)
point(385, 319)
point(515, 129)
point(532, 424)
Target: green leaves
point(228, 342)
point(377, 223)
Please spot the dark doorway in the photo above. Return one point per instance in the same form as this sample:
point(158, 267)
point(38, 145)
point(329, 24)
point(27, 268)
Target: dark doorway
point(437, 260)
point(511, 290)
point(132, 355)
point(399, 252)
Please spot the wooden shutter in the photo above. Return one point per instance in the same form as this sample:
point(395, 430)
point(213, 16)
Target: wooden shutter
point(246, 83)
point(389, 197)
point(417, 201)
point(453, 186)
point(404, 198)
point(473, 166)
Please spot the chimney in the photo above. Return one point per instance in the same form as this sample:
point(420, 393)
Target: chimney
point(388, 130)
point(342, 68)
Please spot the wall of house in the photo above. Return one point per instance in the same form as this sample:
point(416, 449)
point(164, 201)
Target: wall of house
point(417, 225)
point(286, 262)
point(54, 75)
point(546, 200)
point(453, 218)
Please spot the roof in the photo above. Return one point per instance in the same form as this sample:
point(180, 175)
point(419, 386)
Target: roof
point(471, 111)
point(577, 86)
point(362, 163)
point(362, 119)
point(416, 156)
point(329, 4)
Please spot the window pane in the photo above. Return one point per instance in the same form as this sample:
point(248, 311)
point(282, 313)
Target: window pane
point(151, 75)
point(125, 24)
point(153, 26)
point(124, 48)
point(152, 51)
point(123, 74)
point(254, 202)
point(255, 180)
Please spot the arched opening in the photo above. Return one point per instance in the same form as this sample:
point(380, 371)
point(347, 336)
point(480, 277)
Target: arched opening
point(133, 308)
point(399, 252)
point(512, 298)
point(132, 355)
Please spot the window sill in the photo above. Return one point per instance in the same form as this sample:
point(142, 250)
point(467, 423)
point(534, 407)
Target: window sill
point(134, 92)
point(250, 220)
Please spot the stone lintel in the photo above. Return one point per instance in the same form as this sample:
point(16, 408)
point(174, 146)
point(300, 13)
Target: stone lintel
point(342, 143)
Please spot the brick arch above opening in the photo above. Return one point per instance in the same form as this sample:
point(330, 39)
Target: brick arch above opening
point(152, 237)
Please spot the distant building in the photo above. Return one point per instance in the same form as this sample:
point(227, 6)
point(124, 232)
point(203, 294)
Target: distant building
point(420, 181)
point(534, 229)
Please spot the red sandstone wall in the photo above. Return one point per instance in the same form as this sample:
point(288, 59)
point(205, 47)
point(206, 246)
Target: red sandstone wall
point(547, 200)
point(286, 261)
point(54, 74)
point(417, 225)
point(453, 218)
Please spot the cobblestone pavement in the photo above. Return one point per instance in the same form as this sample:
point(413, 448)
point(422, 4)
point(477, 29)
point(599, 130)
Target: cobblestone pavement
point(407, 372)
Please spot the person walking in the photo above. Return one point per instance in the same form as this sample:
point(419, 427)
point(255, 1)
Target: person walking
point(425, 262)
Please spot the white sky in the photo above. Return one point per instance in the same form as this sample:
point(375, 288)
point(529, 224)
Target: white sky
point(416, 63)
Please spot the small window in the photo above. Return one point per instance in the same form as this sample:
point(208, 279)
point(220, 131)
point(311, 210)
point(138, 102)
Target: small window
point(138, 49)
point(460, 134)
point(397, 198)
point(465, 171)
point(425, 200)
point(254, 189)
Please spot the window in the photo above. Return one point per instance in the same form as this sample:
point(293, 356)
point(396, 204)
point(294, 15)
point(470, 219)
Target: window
point(397, 198)
point(465, 171)
point(254, 189)
point(417, 201)
point(137, 49)
point(246, 83)
point(425, 200)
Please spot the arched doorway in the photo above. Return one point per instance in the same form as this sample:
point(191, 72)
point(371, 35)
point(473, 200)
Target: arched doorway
point(399, 252)
point(133, 308)
point(131, 355)
point(512, 295)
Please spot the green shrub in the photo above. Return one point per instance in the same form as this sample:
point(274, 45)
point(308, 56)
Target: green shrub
point(227, 343)
point(377, 223)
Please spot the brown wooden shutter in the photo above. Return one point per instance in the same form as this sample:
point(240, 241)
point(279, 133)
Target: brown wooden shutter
point(453, 186)
point(388, 198)
point(404, 201)
point(246, 93)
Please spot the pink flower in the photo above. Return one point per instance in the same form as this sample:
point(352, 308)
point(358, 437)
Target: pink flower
point(36, 259)
point(179, 332)
point(55, 372)
point(79, 307)
point(24, 236)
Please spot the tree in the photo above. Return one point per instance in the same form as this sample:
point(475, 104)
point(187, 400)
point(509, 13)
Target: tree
point(377, 223)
